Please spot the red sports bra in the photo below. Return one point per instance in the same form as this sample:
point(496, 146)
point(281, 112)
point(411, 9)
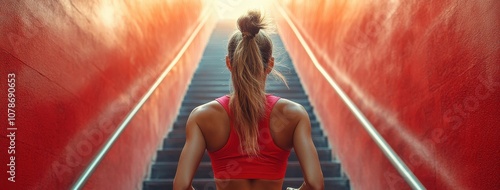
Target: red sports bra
point(230, 163)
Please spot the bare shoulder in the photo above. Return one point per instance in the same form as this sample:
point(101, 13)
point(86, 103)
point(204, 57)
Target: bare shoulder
point(207, 112)
point(213, 121)
point(291, 110)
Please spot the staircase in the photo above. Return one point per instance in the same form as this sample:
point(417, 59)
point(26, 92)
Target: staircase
point(212, 80)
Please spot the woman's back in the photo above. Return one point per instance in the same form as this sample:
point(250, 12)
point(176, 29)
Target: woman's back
point(214, 123)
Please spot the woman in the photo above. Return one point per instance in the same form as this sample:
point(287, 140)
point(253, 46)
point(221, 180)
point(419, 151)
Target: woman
point(249, 134)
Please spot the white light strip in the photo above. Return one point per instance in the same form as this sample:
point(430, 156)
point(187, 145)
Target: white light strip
point(95, 161)
point(396, 161)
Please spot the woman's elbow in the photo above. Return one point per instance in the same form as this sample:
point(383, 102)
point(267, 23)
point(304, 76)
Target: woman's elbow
point(181, 184)
point(319, 186)
point(316, 184)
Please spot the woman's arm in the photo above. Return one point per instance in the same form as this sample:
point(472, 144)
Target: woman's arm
point(191, 153)
point(306, 153)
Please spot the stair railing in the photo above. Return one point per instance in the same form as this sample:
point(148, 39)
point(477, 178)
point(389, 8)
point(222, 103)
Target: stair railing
point(395, 160)
point(114, 136)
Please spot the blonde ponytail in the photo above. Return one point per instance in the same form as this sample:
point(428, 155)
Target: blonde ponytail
point(249, 51)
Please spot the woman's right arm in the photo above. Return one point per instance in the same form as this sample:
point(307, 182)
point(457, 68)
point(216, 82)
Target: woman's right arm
point(306, 152)
point(191, 154)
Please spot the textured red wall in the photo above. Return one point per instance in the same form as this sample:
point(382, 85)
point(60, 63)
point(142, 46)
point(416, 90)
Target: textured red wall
point(79, 68)
point(427, 75)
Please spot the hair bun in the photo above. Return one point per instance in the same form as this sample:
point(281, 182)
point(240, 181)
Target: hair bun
point(251, 23)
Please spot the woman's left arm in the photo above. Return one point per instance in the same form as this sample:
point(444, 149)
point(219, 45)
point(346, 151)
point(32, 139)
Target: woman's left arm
point(191, 153)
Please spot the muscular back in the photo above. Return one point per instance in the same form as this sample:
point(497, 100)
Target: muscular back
point(215, 124)
point(208, 128)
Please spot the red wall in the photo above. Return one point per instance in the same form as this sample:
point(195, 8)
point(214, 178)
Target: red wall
point(79, 68)
point(427, 76)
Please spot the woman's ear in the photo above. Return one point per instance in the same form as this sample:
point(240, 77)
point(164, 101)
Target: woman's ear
point(270, 65)
point(228, 63)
